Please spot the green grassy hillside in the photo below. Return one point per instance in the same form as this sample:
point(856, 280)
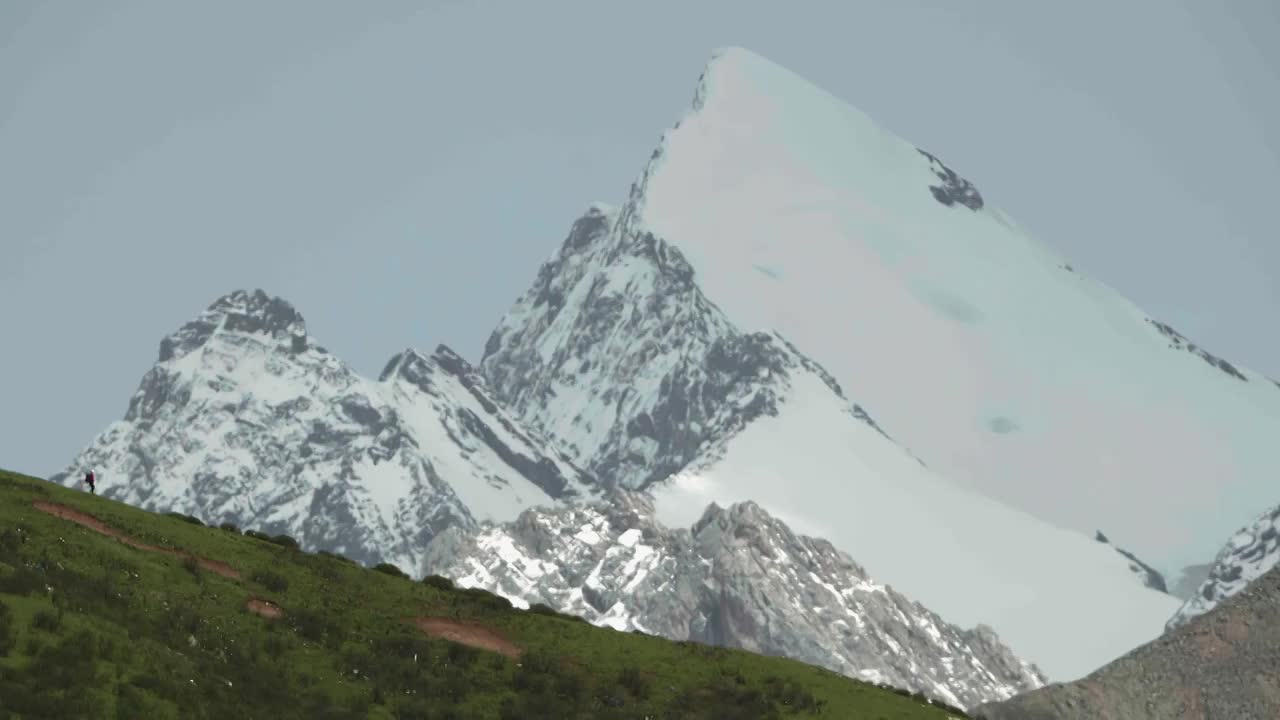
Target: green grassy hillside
point(157, 623)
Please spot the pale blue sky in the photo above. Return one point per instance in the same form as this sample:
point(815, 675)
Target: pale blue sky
point(398, 170)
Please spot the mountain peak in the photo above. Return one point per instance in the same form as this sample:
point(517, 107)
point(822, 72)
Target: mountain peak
point(412, 363)
point(262, 311)
point(240, 311)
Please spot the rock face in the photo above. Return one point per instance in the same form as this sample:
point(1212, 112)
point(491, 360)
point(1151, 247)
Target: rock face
point(244, 419)
point(1250, 553)
point(616, 354)
point(738, 578)
point(1147, 574)
point(1222, 664)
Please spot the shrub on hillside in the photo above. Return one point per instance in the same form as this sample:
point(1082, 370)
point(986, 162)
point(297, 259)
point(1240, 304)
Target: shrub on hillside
point(486, 599)
point(7, 635)
point(316, 626)
point(46, 621)
point(389, 569)
point(336, 556)
point(438, 582)
point(229, 527)
point(273, 581)
point(283, 541)
point(22, 581)
point(544, 609)
point(257, 535)
point(186, 518)
point(635, 683)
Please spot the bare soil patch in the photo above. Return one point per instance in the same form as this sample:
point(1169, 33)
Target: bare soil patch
point(93, 523)
point(264, 608)
point(466, 633)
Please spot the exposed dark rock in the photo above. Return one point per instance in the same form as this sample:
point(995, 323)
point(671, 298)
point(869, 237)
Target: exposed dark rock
point(954, 189)
point(1178, 341)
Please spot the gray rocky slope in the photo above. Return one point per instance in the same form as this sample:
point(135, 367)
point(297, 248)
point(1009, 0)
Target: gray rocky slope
point(1220, 665)
point(738, 578)
point(616, 355)
point(1248, 554)
point(1149, 576)
point(245, 419)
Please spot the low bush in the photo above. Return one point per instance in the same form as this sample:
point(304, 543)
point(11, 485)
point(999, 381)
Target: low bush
point(438, 582)
point(486, 599)
point(283, 541)
point(390, 569)
point(7, 634)
point(186, 518)
point(635, 683)
point(46, 621)
point(336, 556)
point(273, 581)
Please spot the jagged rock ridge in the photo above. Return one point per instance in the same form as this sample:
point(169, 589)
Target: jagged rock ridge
point(739, 578)
point(616, 354)
point(1150, 577)
point(244, 419)
point(1249, 553)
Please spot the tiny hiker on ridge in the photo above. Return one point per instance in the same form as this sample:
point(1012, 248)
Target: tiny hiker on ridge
point(91, 480)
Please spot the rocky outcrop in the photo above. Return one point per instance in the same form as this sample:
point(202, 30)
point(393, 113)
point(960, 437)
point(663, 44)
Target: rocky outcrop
point(738, 578)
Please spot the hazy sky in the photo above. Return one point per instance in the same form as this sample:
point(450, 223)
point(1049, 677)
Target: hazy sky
point(398, 170)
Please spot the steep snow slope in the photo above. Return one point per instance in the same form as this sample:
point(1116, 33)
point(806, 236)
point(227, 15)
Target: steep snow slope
point(976, 346)
point(245, 419)
point(738, 578)
point(1250, 553)
point(1057, 598)
point(617, 354)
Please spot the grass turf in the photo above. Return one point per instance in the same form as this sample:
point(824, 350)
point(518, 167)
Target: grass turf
point(92, 627)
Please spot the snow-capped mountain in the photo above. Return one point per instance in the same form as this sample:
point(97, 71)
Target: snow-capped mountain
point(1250, 553)
point(616, 354)
point(973, 344)
point(738, 578)
point(245, 419)
point(1149, 576)
point(678, 344)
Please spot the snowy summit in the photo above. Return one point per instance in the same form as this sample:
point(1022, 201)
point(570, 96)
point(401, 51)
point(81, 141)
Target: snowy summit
point(245, 419)
point(797, 308)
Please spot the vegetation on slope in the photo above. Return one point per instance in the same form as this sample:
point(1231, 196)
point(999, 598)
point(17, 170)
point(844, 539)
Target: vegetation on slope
point(171, 619)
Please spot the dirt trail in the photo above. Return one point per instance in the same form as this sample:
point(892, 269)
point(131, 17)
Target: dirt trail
point(265, 608)
point(477, 636)
point(89, 521)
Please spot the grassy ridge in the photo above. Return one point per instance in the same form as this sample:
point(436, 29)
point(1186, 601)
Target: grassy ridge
point(93, 628)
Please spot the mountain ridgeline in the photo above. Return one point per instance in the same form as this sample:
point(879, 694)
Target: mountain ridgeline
point(831, 410)
point(245, 419)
